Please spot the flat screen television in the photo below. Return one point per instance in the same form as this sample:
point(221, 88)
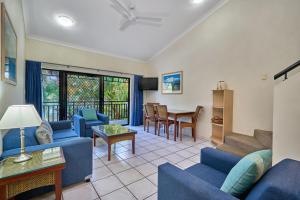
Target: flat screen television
point(148, 83)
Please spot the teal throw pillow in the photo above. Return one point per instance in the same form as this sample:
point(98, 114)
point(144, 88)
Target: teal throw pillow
point(246, 172)
point(89, 114)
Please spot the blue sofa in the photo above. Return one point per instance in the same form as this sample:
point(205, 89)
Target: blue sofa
point(77, 152)
point(84, 127)
point(204, 180)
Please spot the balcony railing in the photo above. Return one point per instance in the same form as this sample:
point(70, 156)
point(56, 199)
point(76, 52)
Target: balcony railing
point(116, 110)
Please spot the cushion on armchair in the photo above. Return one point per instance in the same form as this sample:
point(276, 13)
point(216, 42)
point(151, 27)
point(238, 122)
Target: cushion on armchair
point(207, 174)
point(89, 114)
point(89, 124)
point(246, 172)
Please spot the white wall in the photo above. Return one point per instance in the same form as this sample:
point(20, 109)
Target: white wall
point(239, 43)
point(51, 52)
point(10, 94)
point(286, 119)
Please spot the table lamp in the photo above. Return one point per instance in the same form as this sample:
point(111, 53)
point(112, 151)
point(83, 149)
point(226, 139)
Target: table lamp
point(20, 116)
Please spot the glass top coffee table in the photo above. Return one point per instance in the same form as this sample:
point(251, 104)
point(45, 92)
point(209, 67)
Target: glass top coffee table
point(113, 133)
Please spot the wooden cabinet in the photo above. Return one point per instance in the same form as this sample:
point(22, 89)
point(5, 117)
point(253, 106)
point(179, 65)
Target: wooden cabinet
point(222, 113)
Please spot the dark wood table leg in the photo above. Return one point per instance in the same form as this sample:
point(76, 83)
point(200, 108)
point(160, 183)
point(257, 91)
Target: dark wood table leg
point(58, 189)
point(94, 138)
point(2, 192)
point(109, 151)
point(133, 145)
point(175, 127)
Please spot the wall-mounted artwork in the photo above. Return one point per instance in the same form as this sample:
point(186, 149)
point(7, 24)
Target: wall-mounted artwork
point(172, 83)
point(8, 49)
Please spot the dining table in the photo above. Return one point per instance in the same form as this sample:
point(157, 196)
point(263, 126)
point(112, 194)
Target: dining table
point(176, 114)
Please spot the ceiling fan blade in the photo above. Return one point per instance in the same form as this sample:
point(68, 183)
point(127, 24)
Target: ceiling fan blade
point(149, 23)
point(122, 6)
point(125, 24)
point(146, 18)
point(119, 11)
point(149, 13)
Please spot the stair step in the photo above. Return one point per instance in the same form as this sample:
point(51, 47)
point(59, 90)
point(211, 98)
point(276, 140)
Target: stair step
point(243, 142)
point(232, 149)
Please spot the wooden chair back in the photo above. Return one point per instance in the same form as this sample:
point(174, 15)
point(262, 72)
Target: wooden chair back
point(162, 112)
point(150, 112)
point(197, 113)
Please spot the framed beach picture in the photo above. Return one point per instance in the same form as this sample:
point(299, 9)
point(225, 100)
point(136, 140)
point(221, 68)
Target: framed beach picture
point(172, 83)
point(8, 49)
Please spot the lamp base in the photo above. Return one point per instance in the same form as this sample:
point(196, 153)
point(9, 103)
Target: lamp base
point(22, 158)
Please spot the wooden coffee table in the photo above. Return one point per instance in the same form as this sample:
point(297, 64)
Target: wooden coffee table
point(112, 134)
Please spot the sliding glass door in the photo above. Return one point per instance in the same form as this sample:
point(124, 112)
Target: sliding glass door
point(116, 99)
point(83, 91)
point(65, 93)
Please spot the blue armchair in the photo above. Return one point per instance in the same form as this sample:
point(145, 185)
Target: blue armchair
point(84, 127)
point(204, 180)
point(77, 152)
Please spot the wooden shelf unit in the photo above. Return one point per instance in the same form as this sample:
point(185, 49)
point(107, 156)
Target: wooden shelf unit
point(222, 107)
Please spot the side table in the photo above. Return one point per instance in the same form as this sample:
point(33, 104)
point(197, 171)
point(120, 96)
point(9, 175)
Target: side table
point(42, 170)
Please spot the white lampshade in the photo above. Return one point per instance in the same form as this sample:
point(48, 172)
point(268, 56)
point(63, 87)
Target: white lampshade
point(20, 116)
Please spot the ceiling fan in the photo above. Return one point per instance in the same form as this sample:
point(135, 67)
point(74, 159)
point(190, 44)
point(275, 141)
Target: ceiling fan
point(131, 16)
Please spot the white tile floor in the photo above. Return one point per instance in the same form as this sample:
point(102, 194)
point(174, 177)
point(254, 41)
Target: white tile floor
point(131, 177)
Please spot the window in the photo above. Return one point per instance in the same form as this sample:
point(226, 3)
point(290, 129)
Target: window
point(65, 93)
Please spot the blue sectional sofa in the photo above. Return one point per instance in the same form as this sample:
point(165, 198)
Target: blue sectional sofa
point(84, 127)
point(204, 180)
point(77, 152)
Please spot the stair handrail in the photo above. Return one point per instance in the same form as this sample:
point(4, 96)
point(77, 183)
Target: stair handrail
point(287, 70)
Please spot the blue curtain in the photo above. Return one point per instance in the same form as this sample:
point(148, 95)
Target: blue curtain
point(137, 108)
point(33, 85)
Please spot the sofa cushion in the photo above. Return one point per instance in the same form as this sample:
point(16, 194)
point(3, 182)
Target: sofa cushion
point(89, 114)
point(89, 124)
point(246, 172)
point(207, 174)
point(47, 126)
point(44, 133)
point(62, 134)
point(11, 140)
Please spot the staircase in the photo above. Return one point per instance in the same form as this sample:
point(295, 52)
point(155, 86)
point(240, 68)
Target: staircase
point(241, 144)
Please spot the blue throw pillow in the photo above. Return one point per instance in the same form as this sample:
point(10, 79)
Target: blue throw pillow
point(89, 114)
point(246, 172)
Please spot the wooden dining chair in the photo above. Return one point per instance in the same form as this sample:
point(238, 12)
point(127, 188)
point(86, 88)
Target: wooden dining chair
point(163, 118)
point(192, 124)
point(150, 116)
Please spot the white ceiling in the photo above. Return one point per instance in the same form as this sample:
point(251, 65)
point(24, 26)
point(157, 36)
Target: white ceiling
point(97, 24)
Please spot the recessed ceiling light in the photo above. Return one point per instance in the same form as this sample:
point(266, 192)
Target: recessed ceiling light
point(197, 1)
point(65, 20)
